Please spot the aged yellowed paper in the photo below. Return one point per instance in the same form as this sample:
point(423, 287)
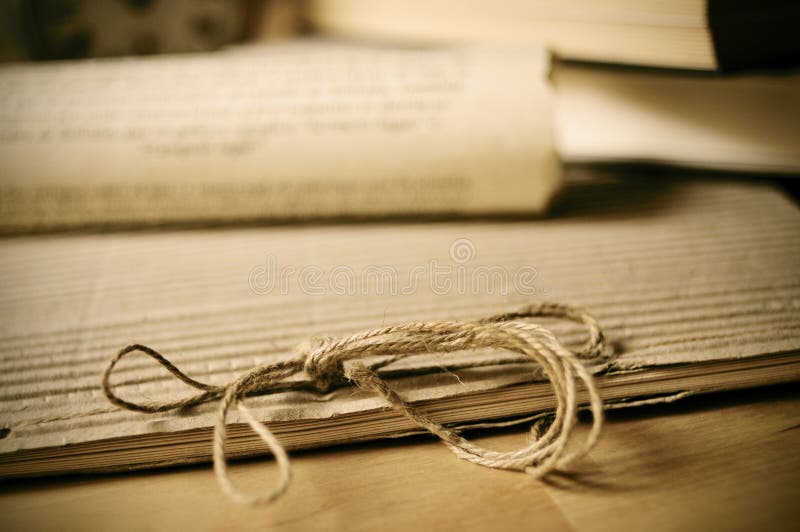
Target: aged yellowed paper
point(694, 282)
point(309, 129)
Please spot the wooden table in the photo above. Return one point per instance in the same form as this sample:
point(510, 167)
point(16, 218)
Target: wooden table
point(724, 462)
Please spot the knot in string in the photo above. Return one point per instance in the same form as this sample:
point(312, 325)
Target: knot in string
point(333, 362)
point(322, 365)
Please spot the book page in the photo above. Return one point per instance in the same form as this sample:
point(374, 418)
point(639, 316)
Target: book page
point(309, 129)
point(745, 122)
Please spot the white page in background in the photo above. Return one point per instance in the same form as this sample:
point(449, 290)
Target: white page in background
point(284, 131)
point(746, 122)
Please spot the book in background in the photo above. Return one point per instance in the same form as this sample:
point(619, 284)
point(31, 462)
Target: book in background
point(688, 34)
point(743, 122)
point(680, 83)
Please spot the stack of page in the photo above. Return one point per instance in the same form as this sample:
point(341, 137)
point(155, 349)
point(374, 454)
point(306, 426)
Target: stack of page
point(694, 282)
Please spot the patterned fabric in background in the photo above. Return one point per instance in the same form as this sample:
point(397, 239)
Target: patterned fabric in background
point(70, 29)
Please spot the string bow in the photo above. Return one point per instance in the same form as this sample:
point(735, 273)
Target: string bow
point(334, 362)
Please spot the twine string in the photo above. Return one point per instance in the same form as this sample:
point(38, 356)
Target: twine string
point(334, 362)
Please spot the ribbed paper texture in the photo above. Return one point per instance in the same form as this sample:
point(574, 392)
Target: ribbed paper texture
point(677, 272)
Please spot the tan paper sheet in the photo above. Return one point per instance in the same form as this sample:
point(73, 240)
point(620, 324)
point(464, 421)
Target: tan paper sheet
point(686, 277)
point(307, 129)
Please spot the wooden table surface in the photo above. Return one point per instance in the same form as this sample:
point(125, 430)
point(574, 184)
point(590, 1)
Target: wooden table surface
point(724, 462)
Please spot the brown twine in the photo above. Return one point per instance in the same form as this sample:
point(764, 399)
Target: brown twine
point(324, 362)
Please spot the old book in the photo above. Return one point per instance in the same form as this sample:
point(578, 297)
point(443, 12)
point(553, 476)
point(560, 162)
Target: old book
point(694, 282)
point(308, 129)
point(747, 123)
point(690, 34)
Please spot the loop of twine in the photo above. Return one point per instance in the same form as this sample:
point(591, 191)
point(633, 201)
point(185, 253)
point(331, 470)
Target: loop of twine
point(324, 362)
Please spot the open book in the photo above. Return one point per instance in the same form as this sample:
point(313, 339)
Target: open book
point(694, 282)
